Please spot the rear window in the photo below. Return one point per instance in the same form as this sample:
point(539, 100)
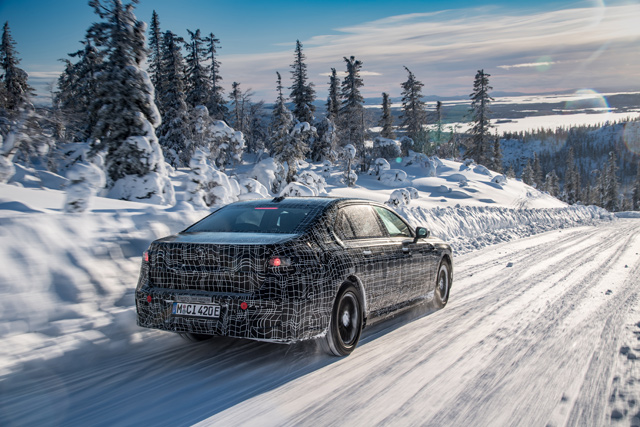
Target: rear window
point(252, 219)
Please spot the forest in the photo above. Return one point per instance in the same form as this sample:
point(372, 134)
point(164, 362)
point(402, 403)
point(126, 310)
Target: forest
point(136, 101)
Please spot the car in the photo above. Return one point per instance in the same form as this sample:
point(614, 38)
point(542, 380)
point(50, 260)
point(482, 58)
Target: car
point(289, 269)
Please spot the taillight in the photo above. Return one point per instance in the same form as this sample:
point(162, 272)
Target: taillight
point(277, 261)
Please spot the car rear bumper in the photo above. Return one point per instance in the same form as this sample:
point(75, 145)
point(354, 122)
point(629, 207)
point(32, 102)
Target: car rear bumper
point(241, 315)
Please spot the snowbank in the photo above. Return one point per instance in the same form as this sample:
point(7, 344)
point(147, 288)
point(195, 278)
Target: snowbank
point(469, 228)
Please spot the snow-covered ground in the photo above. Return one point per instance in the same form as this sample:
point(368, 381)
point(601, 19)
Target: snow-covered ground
point(538, 330)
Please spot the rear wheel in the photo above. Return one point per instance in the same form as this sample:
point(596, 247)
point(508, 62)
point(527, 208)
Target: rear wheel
point(345, 325)
point(443, 285)
point(189, 336)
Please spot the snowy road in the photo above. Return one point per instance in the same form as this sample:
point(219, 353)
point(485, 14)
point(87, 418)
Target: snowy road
point(539, 331)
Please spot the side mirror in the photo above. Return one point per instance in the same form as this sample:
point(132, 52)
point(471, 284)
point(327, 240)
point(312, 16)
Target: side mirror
point(421, 233)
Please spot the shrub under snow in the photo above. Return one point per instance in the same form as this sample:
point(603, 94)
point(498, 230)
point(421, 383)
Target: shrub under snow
point(208, 186)
point(392, 177)
point(313, 180)
point(499, 179)
point(85, 179)
point(399, 197)
point(295, 189)
point(379, 166)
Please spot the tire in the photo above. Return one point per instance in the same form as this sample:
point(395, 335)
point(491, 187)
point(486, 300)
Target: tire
point(443, 285)
point(346, 323)
point(189, 336)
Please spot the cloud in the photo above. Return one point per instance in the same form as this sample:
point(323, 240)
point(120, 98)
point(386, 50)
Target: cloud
point(580, 47)
point(528, 65)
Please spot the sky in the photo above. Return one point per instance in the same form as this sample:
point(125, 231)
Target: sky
point(527, 46)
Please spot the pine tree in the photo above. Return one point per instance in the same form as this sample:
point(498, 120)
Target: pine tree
point(414, 114)
point(551, 184)
point(281, 124)
point(17, 92)
point(76, 90)
point(281, 121)
point(386, 121)
point(255, 130)
point(636, 190)
point(480, 132)
point(352, 107)
point(611, 192)
point(497, 155)
point(236, 104)
point(125, 109)
point(174, 133)
point(198, 84)
point(537, 171)
point(155, 54)
point(323, 148)
point(438, 136)
point(571, 179)
point(217, 104)
point(527, 174)
point(302, 93)
point(333, 100)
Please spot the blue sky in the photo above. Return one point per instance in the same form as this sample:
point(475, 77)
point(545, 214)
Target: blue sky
point(528, 46)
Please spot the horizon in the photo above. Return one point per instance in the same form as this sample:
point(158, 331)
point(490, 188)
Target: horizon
point(531, 48)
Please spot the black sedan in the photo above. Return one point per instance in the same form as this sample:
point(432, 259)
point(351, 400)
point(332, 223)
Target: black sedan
point(291, 269)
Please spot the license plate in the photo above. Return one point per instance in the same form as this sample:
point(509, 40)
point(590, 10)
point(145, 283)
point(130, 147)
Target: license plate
point(196, 310)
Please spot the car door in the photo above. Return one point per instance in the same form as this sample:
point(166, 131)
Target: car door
point(366, 243)
point(415, 257)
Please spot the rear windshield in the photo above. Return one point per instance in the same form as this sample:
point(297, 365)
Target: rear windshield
point(251, 219)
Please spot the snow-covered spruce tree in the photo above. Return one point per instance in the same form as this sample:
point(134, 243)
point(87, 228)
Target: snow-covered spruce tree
point(527, 175)
point(125, 109)
point(237, 105)
point(437, 137)
point(571, 180)
point(479, 148)
point(281, 120)
point(302, 93)
point(255, 133)
point(174, 134)
point(76, 90)
point(635, 198)
point(333, 100)
point(551, 185)
point(217, 104)
point(349, 154)
point(497, 156)
point(197, 74)
point(281, 124)
point(386, 121)
point(297, 149)
point(208, 186)
point(537, 171)
point(414, 113)
point(611, 185)
point(17, 93)
point(21, 136)
point(155, 55)
point(324, 146)
point(352, 108)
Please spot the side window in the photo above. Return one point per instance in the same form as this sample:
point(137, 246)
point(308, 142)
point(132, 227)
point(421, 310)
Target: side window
point(343, 227)
point(392, 222)
point(362, 220)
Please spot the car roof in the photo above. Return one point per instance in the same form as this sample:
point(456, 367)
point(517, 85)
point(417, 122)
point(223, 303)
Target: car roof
point(291, 202)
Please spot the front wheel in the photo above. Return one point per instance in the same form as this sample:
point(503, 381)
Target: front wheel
point(345, 325)
point(443, 285)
